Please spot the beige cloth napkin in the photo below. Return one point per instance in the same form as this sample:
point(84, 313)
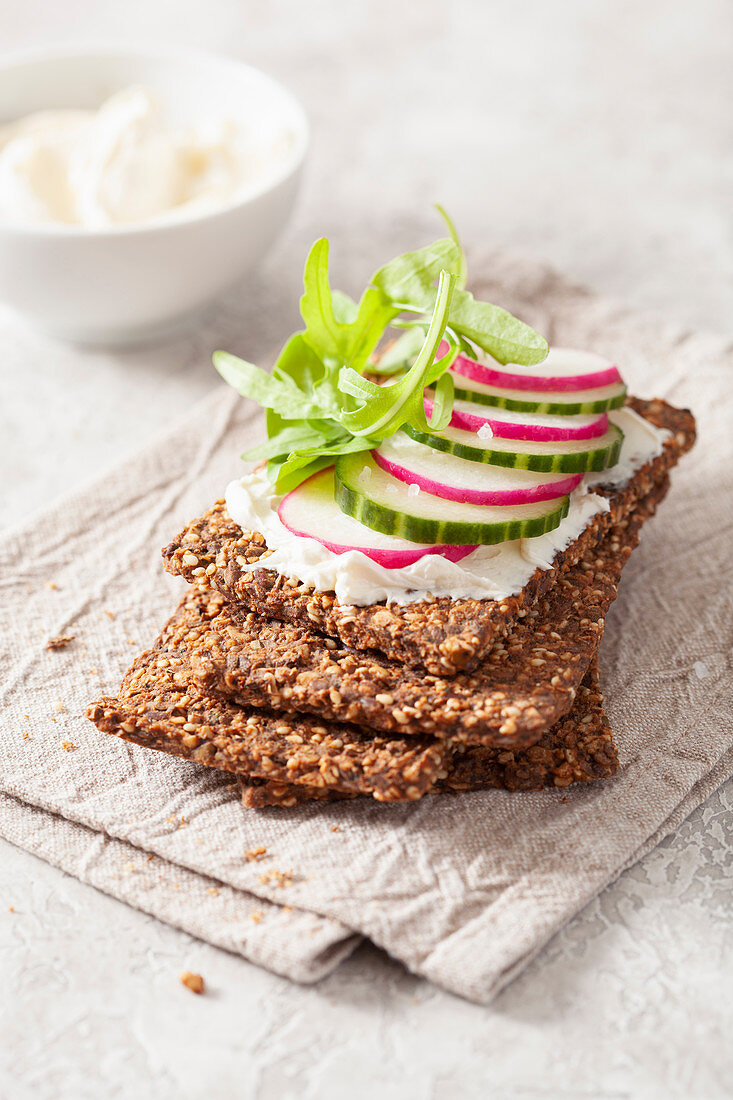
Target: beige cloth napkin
point(463, 889)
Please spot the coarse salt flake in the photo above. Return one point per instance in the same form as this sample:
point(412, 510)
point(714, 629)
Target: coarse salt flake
point(700, 670)
point(485, 431)
point(413, 490)
point(365, 474)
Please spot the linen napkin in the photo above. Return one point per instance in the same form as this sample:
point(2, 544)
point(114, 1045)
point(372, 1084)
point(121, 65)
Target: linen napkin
point(464, 889)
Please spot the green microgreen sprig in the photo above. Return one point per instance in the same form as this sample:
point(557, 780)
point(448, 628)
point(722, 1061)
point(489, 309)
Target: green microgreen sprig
point(318, 402)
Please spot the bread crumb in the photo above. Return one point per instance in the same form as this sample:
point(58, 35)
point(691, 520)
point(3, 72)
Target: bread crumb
point(257, 917)
point(212, 890)
point(335, 828)
point(60, 707)
point(109, 614)
point(60, 641)
point(278, 878)
point(252, 855)
point(51, 584)
point(68, 746)
point(11, 908)
point(194, 982)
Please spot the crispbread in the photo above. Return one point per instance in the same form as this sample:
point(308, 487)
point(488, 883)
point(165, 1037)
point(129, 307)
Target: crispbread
point(158, 707)
point(524, 684)
point(579, 748)
point(443, 636)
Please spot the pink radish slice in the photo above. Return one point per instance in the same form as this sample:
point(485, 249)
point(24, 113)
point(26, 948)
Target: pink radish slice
point(453, 478)
point(311, 509)
point(536, 427)
point(565, 370)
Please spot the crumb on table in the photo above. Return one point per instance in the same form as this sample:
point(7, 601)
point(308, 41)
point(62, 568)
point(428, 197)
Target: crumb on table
point(277, 878)
point(194, 982)
point(254, 854)
point(60, 641)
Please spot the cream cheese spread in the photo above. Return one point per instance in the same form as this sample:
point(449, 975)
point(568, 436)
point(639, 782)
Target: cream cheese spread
point(490, 572)
point(125, 163)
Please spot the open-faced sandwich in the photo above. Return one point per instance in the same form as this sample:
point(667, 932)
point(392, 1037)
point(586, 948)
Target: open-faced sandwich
point(408, 592)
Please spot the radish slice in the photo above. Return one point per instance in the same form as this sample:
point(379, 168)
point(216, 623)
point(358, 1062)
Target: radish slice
point(311, 509)
point(565, 370)
point(579, 402)
point(454, 478)
point(538, 427)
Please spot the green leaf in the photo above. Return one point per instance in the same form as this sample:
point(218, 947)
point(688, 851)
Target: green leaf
point(496, 331)
point(373, 317)
point(336, 327)
point(299, 436)
point(387, 407)
point(407, 282)
point(462, 272)
point(326, 335)
point(400, 354)
point(267, 390)
point(288, 475)
point(345, 309)
point(299, 363)
point(442, 403)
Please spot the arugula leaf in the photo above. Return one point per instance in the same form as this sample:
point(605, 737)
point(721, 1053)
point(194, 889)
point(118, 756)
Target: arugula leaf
point(345, 309)
point(271, 392)
point(318, 402)
point(326, 335)
point(399, 355)
point(496, 331)
point(289, 474)
point(407, 281)
point(462, 272)
point(298, 437)
point(442, 403)
point(386, 408)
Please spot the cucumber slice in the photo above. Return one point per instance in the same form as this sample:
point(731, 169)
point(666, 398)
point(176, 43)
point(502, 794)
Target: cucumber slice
point(382, 503)
point(453, 478)
point(573, 456)
point(311, 512)
point(580, 402)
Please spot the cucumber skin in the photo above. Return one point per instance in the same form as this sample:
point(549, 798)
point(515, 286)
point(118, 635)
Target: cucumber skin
point(554, 408)
point(600, 459)
point(379, 517)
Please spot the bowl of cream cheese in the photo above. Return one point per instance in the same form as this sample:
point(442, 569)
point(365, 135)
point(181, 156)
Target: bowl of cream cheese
point(138, 185)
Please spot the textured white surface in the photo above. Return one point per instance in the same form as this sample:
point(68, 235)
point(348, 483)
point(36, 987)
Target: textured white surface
point(598, 136)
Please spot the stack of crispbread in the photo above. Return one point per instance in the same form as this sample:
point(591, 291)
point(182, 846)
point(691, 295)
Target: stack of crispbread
point(304, 698)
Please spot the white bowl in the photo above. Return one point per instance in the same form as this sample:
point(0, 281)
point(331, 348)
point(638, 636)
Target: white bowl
point(128, 284)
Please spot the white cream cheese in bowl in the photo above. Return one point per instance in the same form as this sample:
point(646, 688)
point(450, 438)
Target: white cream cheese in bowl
point(489, 572)
point(125, 163)
point(137, 185)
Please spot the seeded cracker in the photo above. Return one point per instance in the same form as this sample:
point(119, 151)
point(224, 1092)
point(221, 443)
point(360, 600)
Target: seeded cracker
point(443, 636)
point(526, 681)
point(579, 749)
point(159, 708)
